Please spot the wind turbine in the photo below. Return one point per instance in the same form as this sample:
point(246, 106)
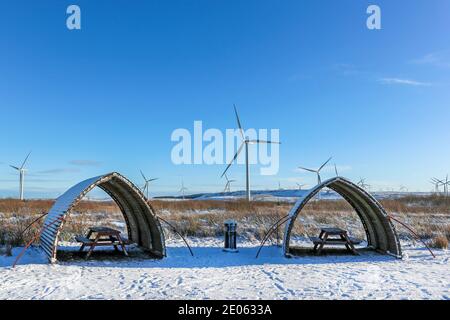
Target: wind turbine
point(183, 189)
point(245, 142)
point(336, 170)
point(362, 183)
point(445, 183)
point(300, 186)
point(21, 170)
point(228, 184)
point(147, 182)
point(439, 183)
point(436, 182)
point(436, 185)
point(319, 180)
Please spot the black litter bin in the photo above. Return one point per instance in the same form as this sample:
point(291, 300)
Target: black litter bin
point(230, 236)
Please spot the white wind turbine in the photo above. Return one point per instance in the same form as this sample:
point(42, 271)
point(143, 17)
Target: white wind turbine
point(319, 180)
point(445, 183)
point(228, 184)
point(300, 186)
point(245, 142)
point(147, 183)
point(183, 189)
point(21, 170)
point(438, 183)
point(435, 183)
point(362, 183)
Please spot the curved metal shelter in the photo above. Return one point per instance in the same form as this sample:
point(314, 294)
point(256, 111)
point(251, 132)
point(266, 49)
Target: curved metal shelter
point(143, 226)
point(381, 234)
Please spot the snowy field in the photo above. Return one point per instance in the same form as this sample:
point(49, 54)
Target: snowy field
point(214, 274)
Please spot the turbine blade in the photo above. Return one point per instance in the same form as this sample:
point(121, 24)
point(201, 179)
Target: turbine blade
point(14, 167)
point(24, 161)
point(263, 141)
point(239, 122)
point(325, 164)
point(153, 179)
point(234, 158)
point(310, 170)
point(143, 176)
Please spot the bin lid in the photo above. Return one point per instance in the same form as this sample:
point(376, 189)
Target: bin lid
point(230, 222)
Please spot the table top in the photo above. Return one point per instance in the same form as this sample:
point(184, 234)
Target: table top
point(106, 230)
point(333, 231)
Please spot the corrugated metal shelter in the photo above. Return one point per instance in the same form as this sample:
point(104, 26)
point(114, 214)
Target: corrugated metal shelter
point(143, 226)
point(381, 234)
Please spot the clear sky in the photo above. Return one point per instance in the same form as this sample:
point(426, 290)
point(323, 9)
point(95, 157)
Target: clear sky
point(107, 97)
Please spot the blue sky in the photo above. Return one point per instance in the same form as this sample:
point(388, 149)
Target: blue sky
point(107, 97)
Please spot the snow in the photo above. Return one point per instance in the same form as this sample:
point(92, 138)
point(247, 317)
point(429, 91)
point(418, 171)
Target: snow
point(214, 274)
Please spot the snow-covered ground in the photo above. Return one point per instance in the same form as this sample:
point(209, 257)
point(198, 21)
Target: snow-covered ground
point(214, 274)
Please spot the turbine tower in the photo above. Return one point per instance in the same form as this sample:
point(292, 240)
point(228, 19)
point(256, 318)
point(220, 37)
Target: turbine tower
point(228, 184)
point(147, 183)
point(319, 179)
point(245, 142)
point(21, 170)
point(447, 183)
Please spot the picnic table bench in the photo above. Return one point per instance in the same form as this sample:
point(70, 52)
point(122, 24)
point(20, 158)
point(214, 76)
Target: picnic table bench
point(339, 237)
point(104, 236)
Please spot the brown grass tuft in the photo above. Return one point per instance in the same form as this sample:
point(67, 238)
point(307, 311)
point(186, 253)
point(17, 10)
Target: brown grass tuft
point(440, 242)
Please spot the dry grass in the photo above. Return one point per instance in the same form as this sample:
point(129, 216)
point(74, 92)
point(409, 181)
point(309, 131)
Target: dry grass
point(429, 216)
point(440, 242)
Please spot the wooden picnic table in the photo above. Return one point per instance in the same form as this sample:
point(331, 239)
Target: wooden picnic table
point(103, 236)
point(334, 236)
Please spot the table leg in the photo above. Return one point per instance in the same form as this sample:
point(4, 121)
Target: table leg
point(91, 249)
point(122, 245)
point(321, 234)
point(113, 240)
point(350, 244)
point(322, 244)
